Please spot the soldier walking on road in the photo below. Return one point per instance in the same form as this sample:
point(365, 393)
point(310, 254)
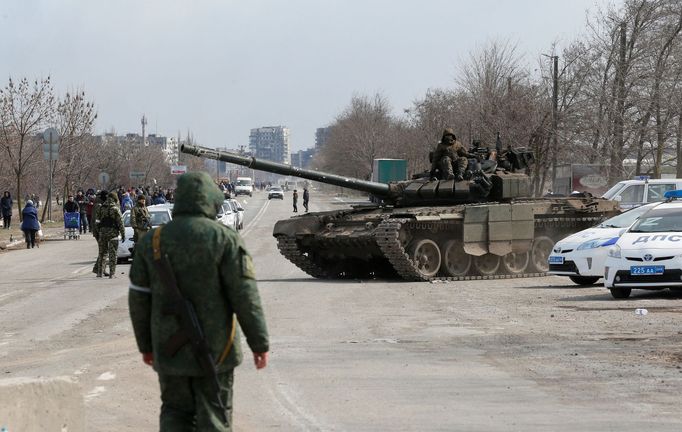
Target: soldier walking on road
point(295, 201)
point(306, 198)
point(107, 229)
point(185, 300)
point(140, 219)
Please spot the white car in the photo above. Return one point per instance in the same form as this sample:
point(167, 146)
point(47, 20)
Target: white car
point(649, 254)
point(239, 211)
point(243, 185)
point(160, 214)
point(634, 193)
point(227, 216)
point(276, 192)
point(581, 256)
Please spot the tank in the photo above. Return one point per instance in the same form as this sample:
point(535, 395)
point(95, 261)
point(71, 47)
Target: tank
point(484, 227)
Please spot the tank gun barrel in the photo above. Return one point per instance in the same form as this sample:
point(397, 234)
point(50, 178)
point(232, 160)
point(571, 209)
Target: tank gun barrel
point(378, 189)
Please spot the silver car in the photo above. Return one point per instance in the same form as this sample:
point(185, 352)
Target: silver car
point(160, 214)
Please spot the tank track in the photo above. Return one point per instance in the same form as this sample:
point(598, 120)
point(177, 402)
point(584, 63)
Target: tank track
point(387, 237)
point(289, 248)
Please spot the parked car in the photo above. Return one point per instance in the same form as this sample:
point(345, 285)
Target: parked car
point(160, 214)
point(581, 256)
point(634, 193)
point(649, 254)
point(239, 211)
point(227, 216)
point(276, 192)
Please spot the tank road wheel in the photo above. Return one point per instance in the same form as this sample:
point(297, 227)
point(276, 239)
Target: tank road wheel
point(456, 262)
point(487, 265)
point(516, 263)
point(426, 257)
point(539, 253)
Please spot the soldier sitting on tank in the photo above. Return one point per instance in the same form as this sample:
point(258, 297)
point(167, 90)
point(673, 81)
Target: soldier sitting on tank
point(450, 157)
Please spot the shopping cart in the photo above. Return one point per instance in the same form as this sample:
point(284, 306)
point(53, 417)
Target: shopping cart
point(72, 222)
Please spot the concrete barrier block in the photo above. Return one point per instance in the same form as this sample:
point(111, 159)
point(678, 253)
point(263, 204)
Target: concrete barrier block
point(41, 405)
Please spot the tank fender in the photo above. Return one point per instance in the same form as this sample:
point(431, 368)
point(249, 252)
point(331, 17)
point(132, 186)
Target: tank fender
point(298, 225)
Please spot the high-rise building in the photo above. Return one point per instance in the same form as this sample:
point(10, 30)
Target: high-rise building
point(270, 143)
point(321, 136)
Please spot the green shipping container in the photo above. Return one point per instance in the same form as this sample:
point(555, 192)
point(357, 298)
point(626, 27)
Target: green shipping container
point(389, 170)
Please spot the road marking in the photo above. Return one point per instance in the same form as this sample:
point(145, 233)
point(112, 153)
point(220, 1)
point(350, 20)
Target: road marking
point(95, 392)
point(106, 376)
point(290, 407)
point(81, 269)
point(253, 222)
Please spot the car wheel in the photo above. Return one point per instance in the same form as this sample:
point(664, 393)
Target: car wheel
point(584, 280)
point(269, 197)
point(620, 293)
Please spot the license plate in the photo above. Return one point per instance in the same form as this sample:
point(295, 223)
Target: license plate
point(647, 270)
point(556, 260)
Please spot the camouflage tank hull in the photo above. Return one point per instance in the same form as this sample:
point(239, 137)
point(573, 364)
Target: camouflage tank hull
point(459, 242)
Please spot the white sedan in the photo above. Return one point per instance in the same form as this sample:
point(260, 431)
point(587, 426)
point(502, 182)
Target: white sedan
point(238, 211)
point(227, 216)
point(276, 192)
point(160, 214)
point(649, 254)
point(581, 256)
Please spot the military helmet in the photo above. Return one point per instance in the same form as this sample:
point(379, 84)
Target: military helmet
point(449, 131)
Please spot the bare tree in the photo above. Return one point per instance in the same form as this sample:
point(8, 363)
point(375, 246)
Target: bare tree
point(25, 108)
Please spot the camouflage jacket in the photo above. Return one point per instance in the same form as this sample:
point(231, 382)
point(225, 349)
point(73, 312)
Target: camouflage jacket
point(140, 219)
point(213, 271)
point(108, 220)
point(454, 152)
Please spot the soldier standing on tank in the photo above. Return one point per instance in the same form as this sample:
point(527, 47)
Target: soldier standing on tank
point(215, 274)
point(140, 219)
point(295, 197)
point(107, 229)
point(450, 157)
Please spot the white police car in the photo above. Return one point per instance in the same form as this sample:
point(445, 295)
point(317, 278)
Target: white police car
point(581, 256)
point(649, 254)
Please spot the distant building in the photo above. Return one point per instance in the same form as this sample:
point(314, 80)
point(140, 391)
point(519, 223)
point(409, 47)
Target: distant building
point(270, 143)
point(321, 136)
point(302, 158)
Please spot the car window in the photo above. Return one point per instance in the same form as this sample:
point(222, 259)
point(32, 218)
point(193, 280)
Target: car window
point(633, 194)
point(159, 218)
point(613, 191)
point(126, 219)
point(626, 219)
point(656, 191)
point(659, 220)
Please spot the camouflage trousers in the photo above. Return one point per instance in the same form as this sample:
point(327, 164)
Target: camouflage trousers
point(107, 250)
point(451, 169)
point(187, 403)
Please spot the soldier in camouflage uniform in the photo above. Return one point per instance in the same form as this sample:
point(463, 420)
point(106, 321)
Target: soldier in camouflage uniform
point(450, 157)
point(215, 273)
point(140, 219)
point(100, 198)
point(108, 226)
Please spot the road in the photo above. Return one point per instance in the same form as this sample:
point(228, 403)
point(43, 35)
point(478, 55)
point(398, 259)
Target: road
point(520, 354)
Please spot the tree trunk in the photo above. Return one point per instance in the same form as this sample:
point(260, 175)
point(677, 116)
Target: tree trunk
point(678, 145)
point(21, 216)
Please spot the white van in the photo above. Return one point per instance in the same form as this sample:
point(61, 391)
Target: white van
point(243, 186)
point(634, 193)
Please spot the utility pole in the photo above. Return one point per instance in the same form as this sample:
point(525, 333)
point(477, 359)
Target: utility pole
point(555, 115)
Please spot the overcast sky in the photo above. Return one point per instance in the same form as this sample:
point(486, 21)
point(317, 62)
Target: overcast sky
point(222, 67)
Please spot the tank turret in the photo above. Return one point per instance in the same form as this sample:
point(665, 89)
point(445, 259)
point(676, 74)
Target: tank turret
point(487, 183)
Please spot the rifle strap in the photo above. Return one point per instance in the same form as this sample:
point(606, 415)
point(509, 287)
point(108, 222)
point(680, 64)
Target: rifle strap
point(230, 342)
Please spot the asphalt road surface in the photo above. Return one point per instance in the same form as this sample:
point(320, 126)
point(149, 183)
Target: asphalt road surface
point(512, 355)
